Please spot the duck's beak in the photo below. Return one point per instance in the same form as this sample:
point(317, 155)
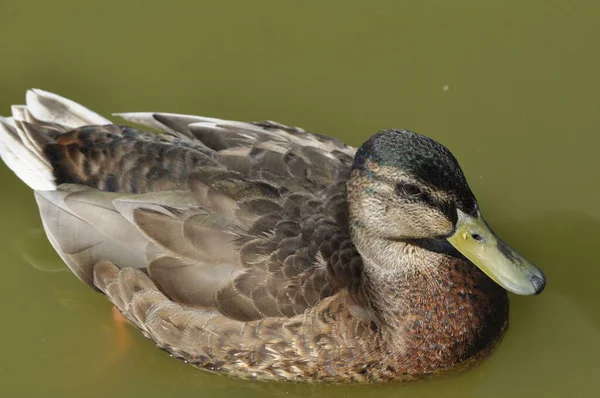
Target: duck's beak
point(476, 241)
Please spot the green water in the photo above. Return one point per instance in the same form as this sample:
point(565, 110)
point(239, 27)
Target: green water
point(511, 87)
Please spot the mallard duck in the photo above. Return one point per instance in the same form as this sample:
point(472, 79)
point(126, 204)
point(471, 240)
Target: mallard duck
point(263, 251)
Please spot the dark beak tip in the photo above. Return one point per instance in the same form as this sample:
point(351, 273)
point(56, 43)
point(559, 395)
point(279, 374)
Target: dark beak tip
point(538, 283)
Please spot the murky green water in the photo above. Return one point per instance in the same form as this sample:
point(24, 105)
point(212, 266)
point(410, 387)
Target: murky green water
point(511, 87)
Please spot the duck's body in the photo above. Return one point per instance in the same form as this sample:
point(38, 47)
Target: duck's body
point(261, 250)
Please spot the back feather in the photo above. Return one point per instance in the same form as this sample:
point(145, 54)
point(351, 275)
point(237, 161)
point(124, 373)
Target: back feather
point(248, 220)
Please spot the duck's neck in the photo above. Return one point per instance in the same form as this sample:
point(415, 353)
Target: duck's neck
point(434, 309)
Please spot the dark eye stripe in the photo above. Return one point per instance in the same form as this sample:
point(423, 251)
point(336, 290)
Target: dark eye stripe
point(414, 193)
point(449, 209)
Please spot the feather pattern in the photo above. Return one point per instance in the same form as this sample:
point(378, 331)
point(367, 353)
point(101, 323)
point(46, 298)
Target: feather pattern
point(243, 242)
point(227, 243)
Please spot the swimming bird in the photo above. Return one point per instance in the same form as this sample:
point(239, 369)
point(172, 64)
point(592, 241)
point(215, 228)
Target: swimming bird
point(263, 251)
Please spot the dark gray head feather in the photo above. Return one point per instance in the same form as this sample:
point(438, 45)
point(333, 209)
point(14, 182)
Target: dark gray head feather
point(420, 156)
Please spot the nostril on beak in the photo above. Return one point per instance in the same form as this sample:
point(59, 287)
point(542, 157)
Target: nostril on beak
point(477, 237)
point(538, 283)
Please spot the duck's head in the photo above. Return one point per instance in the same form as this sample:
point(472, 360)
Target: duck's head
point(405, 186)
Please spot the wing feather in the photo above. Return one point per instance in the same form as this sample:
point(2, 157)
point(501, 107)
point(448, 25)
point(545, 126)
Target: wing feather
point(248, 220)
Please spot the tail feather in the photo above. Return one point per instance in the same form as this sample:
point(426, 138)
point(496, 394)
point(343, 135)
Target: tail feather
point(9, 121)
point(23, 161)
point(24, 135)
point(36, 136)
point(52, 108)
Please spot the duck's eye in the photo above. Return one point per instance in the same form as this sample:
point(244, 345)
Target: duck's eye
point(408, 189)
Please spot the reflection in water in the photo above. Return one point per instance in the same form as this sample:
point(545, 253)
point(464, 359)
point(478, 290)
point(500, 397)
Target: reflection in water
point(35, 251)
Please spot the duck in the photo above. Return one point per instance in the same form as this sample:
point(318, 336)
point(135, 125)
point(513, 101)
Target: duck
point(262, 251)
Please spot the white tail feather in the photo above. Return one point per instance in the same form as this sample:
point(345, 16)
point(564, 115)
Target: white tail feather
point(25, 163)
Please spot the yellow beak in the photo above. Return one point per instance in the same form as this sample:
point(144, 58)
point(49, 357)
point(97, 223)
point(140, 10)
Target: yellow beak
point(476, 241)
